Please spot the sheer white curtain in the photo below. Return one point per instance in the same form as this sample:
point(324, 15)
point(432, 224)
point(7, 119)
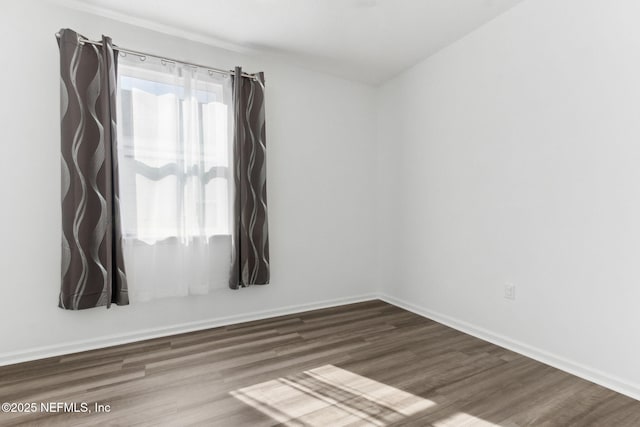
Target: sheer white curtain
point(175, 177)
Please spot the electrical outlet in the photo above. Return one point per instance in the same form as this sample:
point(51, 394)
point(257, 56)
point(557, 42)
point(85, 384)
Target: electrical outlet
point(510, 291)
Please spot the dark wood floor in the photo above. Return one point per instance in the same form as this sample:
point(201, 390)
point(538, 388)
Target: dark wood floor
point(362, 364)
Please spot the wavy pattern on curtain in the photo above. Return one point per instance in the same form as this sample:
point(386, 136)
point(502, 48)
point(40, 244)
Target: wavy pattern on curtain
point(250, 236)
point(93, 271)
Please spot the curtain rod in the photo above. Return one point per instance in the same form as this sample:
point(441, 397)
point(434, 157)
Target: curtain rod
point(143, 56)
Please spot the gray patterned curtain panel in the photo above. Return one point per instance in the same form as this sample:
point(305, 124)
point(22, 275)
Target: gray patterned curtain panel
point(92, 263)
point(250, 236)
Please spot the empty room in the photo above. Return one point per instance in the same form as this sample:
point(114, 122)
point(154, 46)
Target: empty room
point(320, 213)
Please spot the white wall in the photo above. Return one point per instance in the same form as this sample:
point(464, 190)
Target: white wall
point(512, 155)
point(515, 156)
point(320, 152)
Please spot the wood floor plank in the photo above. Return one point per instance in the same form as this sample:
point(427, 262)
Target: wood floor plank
point(199, 378)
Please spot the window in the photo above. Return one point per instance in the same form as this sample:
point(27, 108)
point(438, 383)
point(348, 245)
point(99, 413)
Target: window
point(174, 147)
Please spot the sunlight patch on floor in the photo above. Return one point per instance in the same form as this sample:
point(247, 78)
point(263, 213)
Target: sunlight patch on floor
point(463, 419)
point(329, 395)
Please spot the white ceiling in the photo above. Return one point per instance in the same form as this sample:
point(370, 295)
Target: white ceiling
point(364, 40)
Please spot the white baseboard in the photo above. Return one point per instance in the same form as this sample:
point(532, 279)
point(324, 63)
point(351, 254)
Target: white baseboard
point(574, 368)
point(111, 340)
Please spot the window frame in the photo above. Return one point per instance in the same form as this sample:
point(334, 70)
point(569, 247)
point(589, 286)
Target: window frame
point(179, 168)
